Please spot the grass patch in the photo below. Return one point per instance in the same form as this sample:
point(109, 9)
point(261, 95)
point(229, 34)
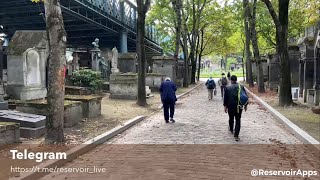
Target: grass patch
point(217, 74)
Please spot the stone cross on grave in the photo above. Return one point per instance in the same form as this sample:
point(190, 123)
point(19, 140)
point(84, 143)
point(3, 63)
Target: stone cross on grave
point(114, 61)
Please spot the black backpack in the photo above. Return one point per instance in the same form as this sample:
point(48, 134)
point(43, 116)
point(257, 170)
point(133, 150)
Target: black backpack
point(210, 84)
point(224, 81)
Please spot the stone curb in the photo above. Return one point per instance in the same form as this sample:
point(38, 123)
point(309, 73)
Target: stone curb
point(79, 150)
point(185, 93)
point(298, 132)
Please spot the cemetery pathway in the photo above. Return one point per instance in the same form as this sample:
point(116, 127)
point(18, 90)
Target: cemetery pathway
point(197, 146)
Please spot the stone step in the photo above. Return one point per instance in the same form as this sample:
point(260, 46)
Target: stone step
point(24, 119)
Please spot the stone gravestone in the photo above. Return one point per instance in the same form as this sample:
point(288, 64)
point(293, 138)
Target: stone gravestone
point(114, 65)
point(1, 69)
point(3, 104)
point(27, 56)
point(274, 71)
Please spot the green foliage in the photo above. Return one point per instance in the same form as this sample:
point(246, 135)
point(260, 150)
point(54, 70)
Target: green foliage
point(87, 78)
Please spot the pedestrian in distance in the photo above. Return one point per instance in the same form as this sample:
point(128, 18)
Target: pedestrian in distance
point(168, 97)
point(211, 85)
point(235, 100)
point(223, 82)
point(229, 75)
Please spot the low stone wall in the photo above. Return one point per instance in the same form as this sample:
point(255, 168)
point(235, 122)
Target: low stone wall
point(154, 80)
point(9, 132)
point(124, 86)
point(72, 110)
point(91, 105)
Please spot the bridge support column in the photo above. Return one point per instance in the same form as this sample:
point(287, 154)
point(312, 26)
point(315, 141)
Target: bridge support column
point(124, 41)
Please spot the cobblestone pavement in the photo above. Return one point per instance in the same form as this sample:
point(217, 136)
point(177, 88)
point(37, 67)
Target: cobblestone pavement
point(198, 146)
point(200, 121)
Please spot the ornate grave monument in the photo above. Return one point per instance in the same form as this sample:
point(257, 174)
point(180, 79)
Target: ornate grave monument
point(122, 85)
point(27, 57)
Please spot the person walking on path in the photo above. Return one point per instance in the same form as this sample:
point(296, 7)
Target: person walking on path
point(168, 97)
point(235, 99)
point(211, 85)
point(229, 75)
point(223, 82)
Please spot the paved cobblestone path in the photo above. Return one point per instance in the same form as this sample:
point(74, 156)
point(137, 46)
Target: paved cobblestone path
point(198, 146)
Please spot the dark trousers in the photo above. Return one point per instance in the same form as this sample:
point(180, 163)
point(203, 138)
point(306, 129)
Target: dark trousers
point(223, 88)
point(234, 114)
point(166, 106)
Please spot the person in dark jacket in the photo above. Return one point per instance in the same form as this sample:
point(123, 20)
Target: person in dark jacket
point(168, 97)
point(230, 103)
point(211, 85)
point(228, 75)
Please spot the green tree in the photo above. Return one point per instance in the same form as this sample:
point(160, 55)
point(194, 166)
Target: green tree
point(281, 22)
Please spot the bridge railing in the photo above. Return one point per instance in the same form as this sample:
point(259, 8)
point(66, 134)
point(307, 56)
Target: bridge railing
point(125, 12)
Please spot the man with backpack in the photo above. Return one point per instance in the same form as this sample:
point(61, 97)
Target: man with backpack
point(223, 82)
point(211, 85)
point(235, 100)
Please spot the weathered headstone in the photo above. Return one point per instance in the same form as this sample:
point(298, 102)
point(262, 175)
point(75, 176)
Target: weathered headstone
point(3, 104)
point(114, 68)
point(274, 71)
point(27, 56)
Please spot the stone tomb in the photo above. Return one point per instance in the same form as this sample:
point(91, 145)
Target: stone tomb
point(91, 105)
point(128, 62)
point(26, 64)
point(274, 71)
point(164, 65)
point(124, 86)
point(306, 68)
point(154, 80)
point(31, 125)
point(72, 110)
point(9, 133)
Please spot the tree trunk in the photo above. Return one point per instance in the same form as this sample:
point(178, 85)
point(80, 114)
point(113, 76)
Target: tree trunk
point(185, 52)
point(200, 53)
point(247, 33)
point(281, 22)
point(177, 6)
point(256, 53)
point(142, 10)
point(57, 58)
point(285, 98)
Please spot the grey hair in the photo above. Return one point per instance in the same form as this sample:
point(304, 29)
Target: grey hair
point(167, 79)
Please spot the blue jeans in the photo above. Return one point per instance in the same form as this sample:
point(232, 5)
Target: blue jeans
point(166, 106)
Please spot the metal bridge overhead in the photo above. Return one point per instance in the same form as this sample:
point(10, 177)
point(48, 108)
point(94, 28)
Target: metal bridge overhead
point(84, 20)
